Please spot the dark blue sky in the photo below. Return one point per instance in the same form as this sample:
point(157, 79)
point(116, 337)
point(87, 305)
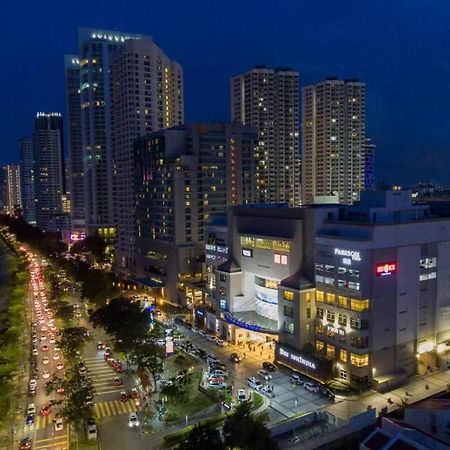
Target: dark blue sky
point(400, 48)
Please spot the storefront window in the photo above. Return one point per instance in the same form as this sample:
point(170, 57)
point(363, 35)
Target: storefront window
point(288, 311)
point(359, 360)
point(343, 302)
point(320, 296)
point(343, 355)
point(331, 298)
point(288, 327)
point(331, 316)
point(331, 351)
point(288, 295)
point(319, 346)
point(359, 305)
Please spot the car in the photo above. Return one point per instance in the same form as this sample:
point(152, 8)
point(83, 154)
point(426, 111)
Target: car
point(254, 383)
point(52, 340)
point(264, 374)
point(234, 357)
point(123, 396)
point(60, 390)
point(30, 420)
point(34, 340)
point(117, 381)
point(25, 443)
point(60, 366)
point(133, 393)
point(216, 383)
point(241, 396)
point(43, 338)
point(221, 343)
point(311, 387)
point(267, 365)
point(32, 392)
point(211, 338)
point(161, 342)
point(158, 312)
point(59, 425)
point(35, 352)
point(82, 370)
point(91, 429)
point(45, 410)
point(33, 383)
point(202, 333)
point(218, 373)
point(56, 356)
point(45, 360)
point(45, 375)
point(44, 348)
point(267, 391)
point(217, 366)
point(296, 379)
point(31, 409)
point(56, 349)
point(101, 345)
point(133, 420)
point(44, 328)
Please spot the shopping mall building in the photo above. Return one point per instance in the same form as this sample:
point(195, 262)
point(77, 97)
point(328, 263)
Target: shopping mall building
point(357, 292)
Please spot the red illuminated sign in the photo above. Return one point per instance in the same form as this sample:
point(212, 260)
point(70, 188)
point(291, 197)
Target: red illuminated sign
point(384, 269)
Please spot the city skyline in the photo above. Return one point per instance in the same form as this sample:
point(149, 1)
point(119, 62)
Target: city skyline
point(398, 99)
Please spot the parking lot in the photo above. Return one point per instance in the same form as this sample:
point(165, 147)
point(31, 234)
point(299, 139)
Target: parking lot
point(289, 398)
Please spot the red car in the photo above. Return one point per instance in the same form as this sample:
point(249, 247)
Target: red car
point(45, 410)
point(119, 368)
point(123, 396)
point(44, 348)
point(133, 393)
point(25, 444)
point(60, 390)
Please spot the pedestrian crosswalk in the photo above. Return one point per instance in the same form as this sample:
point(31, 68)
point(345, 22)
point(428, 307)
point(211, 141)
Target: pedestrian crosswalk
point(114, 408)
point(102, 376)
point(60, 442)
point(42, 421)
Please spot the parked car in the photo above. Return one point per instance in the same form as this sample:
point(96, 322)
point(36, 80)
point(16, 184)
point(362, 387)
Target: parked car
point(31, 409)
point(221, 343)
point(296, 379)
point(218, 373)
point(117, 381)
point(311, 387)
point(241, 396)
point(267, 365)
point(211, 338)
point(133, 420)
point(91, 429)
point(254, 383)
point(123, 396)
point(216, 383)
point(267, 391)
point(264, 374)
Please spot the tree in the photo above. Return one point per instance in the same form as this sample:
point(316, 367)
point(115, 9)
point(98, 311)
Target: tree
point(124, 320)
point(246, 431)
point(149, 356)
point(72, 340)
point(94, 245)
point(202, 437)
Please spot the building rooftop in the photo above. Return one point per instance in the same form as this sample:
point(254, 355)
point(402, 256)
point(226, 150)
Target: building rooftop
point(377, 440)
point(437, 404)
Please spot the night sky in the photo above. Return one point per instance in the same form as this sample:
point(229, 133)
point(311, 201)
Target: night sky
point(400, 48)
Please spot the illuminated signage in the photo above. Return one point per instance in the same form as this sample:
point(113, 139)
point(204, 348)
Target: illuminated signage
point(297, 358)
point(384, 269)
point(247, 252)
point(333, 330)
point(265, 244)
point(354, 255)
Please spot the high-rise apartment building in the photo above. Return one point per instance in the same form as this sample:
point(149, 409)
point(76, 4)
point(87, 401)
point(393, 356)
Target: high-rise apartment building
point(369, 165)
point(333, 137)
point(184, 175)
point(146, 96)
point(48, 170)
point(269, 100)
point(97, 50)
point(27, 180)
point(13, 189)
point(75, 178)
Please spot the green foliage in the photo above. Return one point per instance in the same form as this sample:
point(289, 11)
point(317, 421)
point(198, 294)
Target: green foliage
point(72, 340)
point(148, 356)
point(123, 320)
point(93, 245)
point(202, 437)
point(246, 431)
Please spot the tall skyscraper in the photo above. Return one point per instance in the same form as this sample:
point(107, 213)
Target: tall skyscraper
point(13, 189)
point(369, 165)
point(268, 100)
point(75, 170)
point(146, 95)
point(333, 137)
point(185, 174)
point(27, 180)
point(48, 170)
point(97, 51)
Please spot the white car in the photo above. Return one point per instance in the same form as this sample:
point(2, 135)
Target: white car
point(267, 391)
point(311, 387)
point(241, 395)
point(33, 383)
point(45, 375)
point(31, 409)
point(221, 343)
point(56, 356)
point(45, 360)
point(202, 333)
point(254, 383)
point(35, 352)
point(264, 374)
point(133, 420)
point(218, 374)
point(59, 425)
point(211, 338)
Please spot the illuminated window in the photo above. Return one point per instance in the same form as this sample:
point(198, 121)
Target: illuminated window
point(359, 305)
point(277, 258)
point(307, 297)
point(331, 351)
point(288, 328)
point(342, 319)
point(343, 355)
point(320, 328)
point(319, 345)
point(288, 295)
point(331, 298)
point(343, 302)
point(331, 316)
point(319, 313)
point(359, 360)
point(319, 296)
